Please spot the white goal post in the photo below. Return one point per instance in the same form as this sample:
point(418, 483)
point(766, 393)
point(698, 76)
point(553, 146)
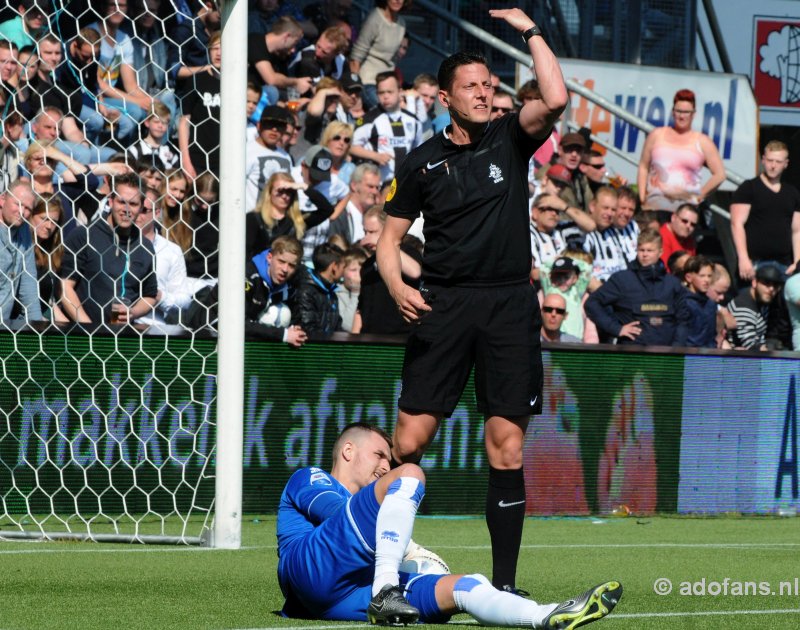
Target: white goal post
point(230, 404)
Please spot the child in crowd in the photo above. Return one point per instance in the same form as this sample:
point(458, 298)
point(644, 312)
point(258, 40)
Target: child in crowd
point(156, 142)
point(257, 100)
point(151, 170)
point(718, 292)
point(315, 307)
point(351, 286)
point(697, 274)
point(253, 97)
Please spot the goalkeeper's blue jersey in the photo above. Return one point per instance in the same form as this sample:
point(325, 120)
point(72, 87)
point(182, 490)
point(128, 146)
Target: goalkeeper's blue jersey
point(310, 496)
point(326, 546)
point(326, 549)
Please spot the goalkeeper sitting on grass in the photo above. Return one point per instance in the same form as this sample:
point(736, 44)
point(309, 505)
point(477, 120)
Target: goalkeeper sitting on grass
point(342, 537)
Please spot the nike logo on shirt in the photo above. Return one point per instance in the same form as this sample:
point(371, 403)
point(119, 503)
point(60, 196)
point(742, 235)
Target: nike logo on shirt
point(503, 504)
point(432, 166)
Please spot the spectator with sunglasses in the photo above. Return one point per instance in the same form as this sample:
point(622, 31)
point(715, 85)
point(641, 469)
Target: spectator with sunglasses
point(547, 241)
point(573, 222)
point(279, 214)
point(352, 98)
point(593, 168)
point(337, 138)
point(502, 104)
point(677, 233)
point(554, 312)
point(571, 152)
point(570, 276)
point(264, 155)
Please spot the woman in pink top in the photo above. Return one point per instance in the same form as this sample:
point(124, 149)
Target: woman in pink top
point(673, 158)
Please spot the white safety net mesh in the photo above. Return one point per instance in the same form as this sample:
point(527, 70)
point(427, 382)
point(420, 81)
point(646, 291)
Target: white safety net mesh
point(107, 405)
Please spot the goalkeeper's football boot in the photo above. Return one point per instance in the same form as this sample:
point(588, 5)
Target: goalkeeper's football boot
point(390, 608)
point(594, 604)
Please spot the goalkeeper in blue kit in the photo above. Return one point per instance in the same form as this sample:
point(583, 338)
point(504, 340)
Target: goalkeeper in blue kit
point(343, 535)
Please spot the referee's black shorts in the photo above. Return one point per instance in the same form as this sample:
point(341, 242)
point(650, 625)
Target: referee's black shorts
point(497, 330)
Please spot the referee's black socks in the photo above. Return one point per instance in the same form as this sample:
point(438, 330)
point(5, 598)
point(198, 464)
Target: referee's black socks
point(505, 516)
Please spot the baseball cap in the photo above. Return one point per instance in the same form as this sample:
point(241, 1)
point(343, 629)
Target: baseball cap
point(564, 265)
point(276, 113)
point(559, 173)
point(319, 161)
point(351, 81)
point(770, 274)
point(573, 139)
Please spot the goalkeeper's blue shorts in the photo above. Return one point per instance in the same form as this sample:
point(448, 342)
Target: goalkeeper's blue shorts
point(328, 574)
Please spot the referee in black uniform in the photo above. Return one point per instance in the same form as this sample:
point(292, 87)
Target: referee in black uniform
point(476, 306)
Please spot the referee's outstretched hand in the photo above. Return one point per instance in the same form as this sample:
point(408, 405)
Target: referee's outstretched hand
point(516, 18)
point(410, 303)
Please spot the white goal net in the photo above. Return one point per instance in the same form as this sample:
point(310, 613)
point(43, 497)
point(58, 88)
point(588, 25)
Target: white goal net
point(110, 205)
point(106, 438)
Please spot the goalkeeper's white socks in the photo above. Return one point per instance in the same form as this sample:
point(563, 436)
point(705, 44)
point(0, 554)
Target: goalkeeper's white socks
point(393, 529)
point(474, 594)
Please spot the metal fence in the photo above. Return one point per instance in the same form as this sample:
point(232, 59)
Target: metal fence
point(650, 32)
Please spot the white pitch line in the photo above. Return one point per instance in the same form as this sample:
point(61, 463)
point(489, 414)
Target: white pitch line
point(635, 546)
point(148, 549)
point(167, 549)
point(709, 613)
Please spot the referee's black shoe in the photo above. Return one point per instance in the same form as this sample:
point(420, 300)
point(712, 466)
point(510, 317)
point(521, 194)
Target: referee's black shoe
point(389, 608)
point(515, 591)
point(594, 604)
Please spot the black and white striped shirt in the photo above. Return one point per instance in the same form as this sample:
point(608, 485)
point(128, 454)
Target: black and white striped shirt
point(608, 254)
point(168, 155)
point(628, 238)
point(571, 234)
point(751, 321)
point(394, 133)
point(545, 247)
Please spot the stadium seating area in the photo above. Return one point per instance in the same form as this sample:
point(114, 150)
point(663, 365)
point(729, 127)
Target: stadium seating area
point(101, 99)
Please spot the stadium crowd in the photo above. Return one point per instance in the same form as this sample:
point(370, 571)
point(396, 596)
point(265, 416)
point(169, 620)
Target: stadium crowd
point(110, 209)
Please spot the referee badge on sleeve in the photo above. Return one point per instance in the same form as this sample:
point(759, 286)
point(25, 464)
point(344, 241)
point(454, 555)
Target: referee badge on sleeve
point(392, 189)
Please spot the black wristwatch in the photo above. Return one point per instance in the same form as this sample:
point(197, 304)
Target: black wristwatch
point(531, 32)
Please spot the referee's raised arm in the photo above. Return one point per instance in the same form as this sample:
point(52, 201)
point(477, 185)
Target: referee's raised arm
point(538, 116)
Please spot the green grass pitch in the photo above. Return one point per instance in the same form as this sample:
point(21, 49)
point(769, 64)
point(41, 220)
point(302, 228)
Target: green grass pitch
point(87, 586)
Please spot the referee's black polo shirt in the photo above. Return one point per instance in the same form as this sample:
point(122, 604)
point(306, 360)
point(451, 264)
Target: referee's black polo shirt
point(474, 199)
